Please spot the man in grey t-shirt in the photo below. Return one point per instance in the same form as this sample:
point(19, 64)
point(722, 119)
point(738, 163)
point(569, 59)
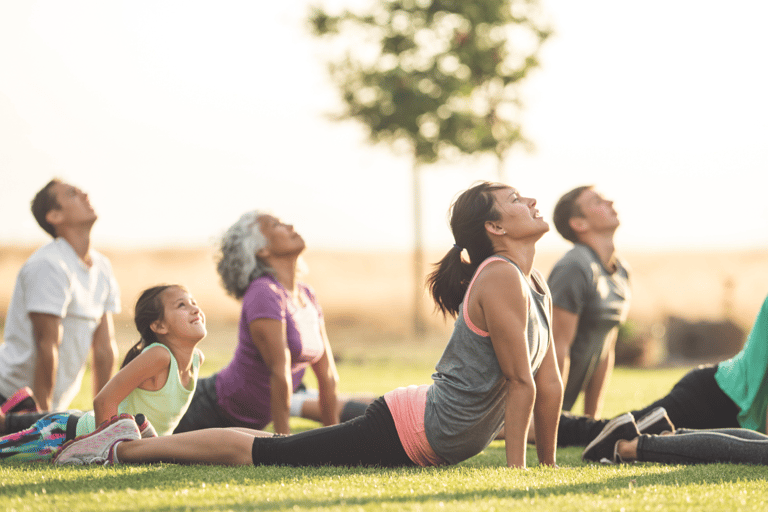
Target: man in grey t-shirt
point(590, 293)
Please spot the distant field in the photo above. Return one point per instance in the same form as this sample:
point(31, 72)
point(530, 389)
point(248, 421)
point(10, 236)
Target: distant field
point(367, 295)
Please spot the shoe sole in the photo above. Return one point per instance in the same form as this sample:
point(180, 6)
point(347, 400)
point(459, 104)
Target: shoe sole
point(608, 430)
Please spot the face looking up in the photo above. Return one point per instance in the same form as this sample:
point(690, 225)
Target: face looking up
point(74, 206)
point(597, 211)
point(282, 240)
point(182, 317)
point(519, 216)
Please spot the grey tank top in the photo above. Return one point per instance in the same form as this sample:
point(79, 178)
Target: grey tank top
point(466, 402)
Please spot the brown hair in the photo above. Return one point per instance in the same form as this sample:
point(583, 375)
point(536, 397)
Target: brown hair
point(44, 202)
point(566, 209)
point(472, 209)
point(149, 309)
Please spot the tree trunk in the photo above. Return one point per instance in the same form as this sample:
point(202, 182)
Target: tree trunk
point(419, 323)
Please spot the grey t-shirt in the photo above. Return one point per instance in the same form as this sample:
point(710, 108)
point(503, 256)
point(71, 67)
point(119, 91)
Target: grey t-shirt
point(582, 285)
point(466, 402)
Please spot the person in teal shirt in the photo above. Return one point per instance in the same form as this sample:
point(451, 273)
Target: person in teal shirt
point(742, 380)
point(743, 377)
point(731, 394)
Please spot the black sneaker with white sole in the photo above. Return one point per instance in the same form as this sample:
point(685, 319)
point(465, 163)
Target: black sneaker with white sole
point(603, 448)
point(655, 422)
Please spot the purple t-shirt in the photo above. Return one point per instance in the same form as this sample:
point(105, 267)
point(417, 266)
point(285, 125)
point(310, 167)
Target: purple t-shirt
point(242, 387)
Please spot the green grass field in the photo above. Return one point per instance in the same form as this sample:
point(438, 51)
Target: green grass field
point(481, 483)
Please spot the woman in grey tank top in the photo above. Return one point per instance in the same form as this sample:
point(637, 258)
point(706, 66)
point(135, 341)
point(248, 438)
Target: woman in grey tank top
point(502, 332)
point(498, 369)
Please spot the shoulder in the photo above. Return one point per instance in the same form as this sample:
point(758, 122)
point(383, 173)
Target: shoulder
point(46, 266)
point(499, 277)
point(47, 255)
point(153, 357)
point(263, 285)
point(579, 255)
point(158, 350)
point(264, 298)
point(579, 261)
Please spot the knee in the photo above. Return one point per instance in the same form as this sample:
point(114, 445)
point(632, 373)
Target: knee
point(234, 447)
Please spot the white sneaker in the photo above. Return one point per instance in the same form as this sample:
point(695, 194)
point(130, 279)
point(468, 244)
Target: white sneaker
point(98, 446)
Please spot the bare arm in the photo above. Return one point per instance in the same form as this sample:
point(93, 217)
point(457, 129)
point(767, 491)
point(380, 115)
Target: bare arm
point(594, 393)
point(500, 304)
point(47, 331)
point(271, 340)
point(147, 366)
point(564, 324)
point(546, 410)
point(327, 382)
point(105, 353)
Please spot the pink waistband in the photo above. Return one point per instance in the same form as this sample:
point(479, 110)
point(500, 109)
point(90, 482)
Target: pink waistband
point(407, 406)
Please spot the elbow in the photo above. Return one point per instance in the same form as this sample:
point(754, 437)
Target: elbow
point(330, 383)
point(106, 352)
point(522, 388)
point(100, 402)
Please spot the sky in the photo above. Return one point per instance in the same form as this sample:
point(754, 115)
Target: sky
point(178, 116)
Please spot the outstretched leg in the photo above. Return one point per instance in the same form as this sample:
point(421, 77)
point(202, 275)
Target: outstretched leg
point(735, 446)
point(37, 442)
point(225, 446)
point(371, 439)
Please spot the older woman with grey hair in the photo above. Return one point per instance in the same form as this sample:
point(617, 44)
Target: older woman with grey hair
point(281, 333)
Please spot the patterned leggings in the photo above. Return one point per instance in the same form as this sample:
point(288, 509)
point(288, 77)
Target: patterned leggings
point(41, 440)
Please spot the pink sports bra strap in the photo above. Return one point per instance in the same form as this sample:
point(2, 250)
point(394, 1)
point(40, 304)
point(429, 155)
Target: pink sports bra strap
point(465, 310)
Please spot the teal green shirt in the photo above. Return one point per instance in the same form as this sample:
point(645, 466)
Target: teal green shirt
point(744, 377)
point(163, 408)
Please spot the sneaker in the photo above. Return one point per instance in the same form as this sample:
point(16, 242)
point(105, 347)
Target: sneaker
point(21, 401)
point(655, 422)
point(98, 447)
point(603, 448)
point(145, 427)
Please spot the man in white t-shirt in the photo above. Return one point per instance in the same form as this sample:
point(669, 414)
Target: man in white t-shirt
point(60, 311)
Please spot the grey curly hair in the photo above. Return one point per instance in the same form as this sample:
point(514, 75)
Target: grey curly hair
point(237, 264)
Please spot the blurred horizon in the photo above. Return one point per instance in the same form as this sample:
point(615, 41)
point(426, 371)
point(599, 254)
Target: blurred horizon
point(177, 117)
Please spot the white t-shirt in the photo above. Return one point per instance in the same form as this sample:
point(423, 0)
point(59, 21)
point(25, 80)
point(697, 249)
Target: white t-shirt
point(56, 282)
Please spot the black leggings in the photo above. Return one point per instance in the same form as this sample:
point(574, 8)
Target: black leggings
point(696, 401)
point(368, 440)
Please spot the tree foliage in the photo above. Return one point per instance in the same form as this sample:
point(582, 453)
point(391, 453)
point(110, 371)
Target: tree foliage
point(437, 76)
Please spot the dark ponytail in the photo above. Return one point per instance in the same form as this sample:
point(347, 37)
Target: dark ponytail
point(148, 310)
point(472, 209)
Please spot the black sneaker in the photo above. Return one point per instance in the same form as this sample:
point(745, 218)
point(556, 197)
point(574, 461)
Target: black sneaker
point(655, 422)
point(603, 448)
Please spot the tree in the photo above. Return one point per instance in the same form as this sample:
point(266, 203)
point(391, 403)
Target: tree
point(436, 77)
